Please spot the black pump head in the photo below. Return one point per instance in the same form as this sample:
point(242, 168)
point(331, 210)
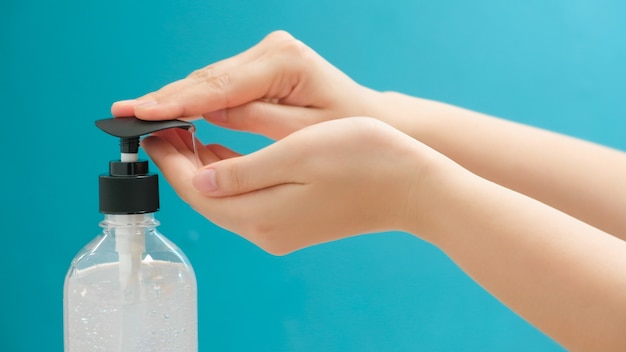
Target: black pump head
point(129, 129)
point(129, 188)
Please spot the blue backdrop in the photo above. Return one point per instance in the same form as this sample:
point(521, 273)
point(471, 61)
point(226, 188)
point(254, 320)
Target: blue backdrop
point(557, 64)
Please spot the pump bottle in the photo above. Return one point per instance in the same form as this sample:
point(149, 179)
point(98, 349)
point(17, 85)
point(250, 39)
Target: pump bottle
point(130, 289)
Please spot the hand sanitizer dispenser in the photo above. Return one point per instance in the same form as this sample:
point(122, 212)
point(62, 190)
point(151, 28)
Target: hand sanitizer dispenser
point(130, 289)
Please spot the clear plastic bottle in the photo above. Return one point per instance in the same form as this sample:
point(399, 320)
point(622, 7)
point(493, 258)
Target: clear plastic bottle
point(130, 289)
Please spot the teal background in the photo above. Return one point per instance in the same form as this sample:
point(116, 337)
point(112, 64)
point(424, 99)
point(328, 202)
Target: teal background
point(554, 64)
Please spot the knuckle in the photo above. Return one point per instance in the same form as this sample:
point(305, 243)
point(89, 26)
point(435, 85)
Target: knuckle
point(218, 83)
point(236, 180)
point(150, 96)
point(211, 76)
point(252, 113)
point(277, 36)
point(284, 44)
point(204, 73)
point(369, 127)
point(293, 49)
point(220, 86)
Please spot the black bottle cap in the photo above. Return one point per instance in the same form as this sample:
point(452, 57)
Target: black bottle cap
point(129, 194)
point(129, 188)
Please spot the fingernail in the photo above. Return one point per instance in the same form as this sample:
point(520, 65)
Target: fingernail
point(204, 181)
point(127, 102)
point(217, 116)
point(145, 103)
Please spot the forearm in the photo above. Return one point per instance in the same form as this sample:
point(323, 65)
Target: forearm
point(580, 178)
point(562, 275)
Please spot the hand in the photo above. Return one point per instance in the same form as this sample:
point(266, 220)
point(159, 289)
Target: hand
point(274, 88)
point(324, 182)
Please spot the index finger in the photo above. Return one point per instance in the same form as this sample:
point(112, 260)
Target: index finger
point(227, 83)
point(127, 107)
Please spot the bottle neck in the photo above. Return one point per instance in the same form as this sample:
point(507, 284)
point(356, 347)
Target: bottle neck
point(129, 221)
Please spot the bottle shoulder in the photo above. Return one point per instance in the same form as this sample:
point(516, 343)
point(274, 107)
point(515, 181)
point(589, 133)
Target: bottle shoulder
point(107, 246)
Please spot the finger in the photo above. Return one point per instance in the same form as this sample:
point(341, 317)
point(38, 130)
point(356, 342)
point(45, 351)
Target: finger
point(179, 139)
point(127, 107)
point(222, 152)
point(176, 167)
point(180, 171)
point(123, 108)
point(189, 146)
point(268, 167)
point(270, 69)
point(269, 119)
point(218, 90)
point(206, 155)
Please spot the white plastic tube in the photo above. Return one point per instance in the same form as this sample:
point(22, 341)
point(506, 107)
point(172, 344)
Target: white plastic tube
point(130, 244)
point(129, 157)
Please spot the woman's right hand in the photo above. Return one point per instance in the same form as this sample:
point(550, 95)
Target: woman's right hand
point(274, 88)
point(322, 183)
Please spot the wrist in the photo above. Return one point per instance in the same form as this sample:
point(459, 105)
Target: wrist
point(411, 115)
point(438, 192)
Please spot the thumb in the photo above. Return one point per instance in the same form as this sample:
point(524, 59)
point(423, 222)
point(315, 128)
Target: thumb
point(268, 167)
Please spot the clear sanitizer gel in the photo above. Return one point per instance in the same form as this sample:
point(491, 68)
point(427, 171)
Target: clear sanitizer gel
point(130, 289)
